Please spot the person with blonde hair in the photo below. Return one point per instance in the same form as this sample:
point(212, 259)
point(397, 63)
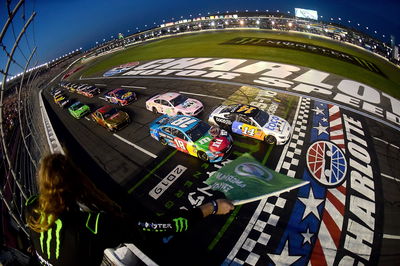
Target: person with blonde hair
point(71, 221)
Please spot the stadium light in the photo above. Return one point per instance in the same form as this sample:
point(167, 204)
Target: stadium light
point(267, 10)
point(349, 21)
point(247, 10)
point(308, 26)
point(366, 28)
point(290, 24)
point(226, 23)
point(213, 23)
point(241, 23)
point(321, 16)
point(273, 22)
point(375, 32)
point(358, 24)
point(277, 10)
point(340, 19)
point(258, 22)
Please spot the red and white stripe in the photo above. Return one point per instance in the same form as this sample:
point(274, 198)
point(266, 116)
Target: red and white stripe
point(326, 246)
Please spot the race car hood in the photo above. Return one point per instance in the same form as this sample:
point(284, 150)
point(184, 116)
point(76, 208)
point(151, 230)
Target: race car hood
point(212, 143)
point(276, 124)
point(117, 118)
point(82, 109)
point(217, 110)
point(189, 106)
point(127, 96)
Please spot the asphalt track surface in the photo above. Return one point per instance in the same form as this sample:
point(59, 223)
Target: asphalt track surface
point(355, 223)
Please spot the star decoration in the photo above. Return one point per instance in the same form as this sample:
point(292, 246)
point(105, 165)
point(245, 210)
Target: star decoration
point(311, 204)
point(321, 129)
point(284, 258)
point(307, 236)
point(318, 111)
point(324, 119)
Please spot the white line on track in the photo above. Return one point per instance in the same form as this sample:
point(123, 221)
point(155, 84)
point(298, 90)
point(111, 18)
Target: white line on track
point(100, 84)
point(280, 162)
point(203, 95)
point(136, 146)
point(87, 118)
point(102, 98)
point(387, 236)
point(390, 177)
point(134, 87)
point(384, 141)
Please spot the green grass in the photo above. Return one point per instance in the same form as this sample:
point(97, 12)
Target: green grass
point(209, 45)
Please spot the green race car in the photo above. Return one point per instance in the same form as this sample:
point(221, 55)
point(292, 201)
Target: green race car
point(78, 110)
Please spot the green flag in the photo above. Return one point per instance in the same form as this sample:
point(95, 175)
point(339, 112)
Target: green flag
point(245, 180)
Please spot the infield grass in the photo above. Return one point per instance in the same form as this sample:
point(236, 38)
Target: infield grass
point(208, 44)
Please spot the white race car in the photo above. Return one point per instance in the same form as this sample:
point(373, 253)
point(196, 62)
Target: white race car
point(252, 122)
point(173, 103)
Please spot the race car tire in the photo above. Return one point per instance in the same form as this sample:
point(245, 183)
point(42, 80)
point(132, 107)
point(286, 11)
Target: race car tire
point(202, 156)
point(155, 110)
point(163, 141)
point(270, 139)
point(111, 129)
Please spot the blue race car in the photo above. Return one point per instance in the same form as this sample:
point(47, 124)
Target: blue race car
point(191, 135)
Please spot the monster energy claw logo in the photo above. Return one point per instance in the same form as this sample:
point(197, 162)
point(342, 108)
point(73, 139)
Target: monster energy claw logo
point(49, 238)
point(253, 169)
point(181, 224)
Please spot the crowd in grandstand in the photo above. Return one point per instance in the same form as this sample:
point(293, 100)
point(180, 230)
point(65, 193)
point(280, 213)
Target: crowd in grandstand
point(10, 113)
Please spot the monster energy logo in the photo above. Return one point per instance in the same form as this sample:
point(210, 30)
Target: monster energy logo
point(49, 238)
point(181, 224)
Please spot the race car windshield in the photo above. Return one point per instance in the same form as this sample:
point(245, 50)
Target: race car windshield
point(110, 113)
point(198, 131)
point(178, 100)
point(77, 106)
point(261, 118)
point(120, 93)
point(228, 109)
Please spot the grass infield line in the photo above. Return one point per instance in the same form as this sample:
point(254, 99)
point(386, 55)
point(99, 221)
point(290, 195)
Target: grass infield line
point(151, 172)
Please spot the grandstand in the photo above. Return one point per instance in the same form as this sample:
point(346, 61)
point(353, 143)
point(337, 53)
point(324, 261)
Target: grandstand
point(22, 131)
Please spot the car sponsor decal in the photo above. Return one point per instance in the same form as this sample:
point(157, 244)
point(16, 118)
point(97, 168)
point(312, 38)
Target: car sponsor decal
point(223, 121)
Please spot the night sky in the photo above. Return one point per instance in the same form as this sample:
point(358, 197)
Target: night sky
point(63, 26)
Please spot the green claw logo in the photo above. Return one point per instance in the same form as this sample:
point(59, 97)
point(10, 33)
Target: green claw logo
point(181, 224)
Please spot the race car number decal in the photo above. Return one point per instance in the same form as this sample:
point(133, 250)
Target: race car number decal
point(183, 122)
point(180, 145)
point(248, 131)
point(246, 109)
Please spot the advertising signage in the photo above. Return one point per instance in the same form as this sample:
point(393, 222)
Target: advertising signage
point(306, 13)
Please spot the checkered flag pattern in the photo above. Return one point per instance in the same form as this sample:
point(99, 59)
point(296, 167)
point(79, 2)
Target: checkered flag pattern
point(292, 157)
point(258, 237)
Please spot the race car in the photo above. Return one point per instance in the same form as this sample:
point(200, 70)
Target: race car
point(61, 100)
point(78, 110)
point(110, 118)
point(90, 91)
point(120, 96)
point(252, 122)
point(172, 103)
point(191, 135)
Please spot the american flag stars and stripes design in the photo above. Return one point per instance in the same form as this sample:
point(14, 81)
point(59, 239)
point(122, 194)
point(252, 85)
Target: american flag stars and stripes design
point(314, 213)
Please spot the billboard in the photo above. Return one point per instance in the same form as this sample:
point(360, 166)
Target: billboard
point(306, 13)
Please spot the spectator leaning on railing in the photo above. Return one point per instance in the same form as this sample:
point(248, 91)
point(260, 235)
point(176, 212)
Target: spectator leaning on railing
point(71, 222)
